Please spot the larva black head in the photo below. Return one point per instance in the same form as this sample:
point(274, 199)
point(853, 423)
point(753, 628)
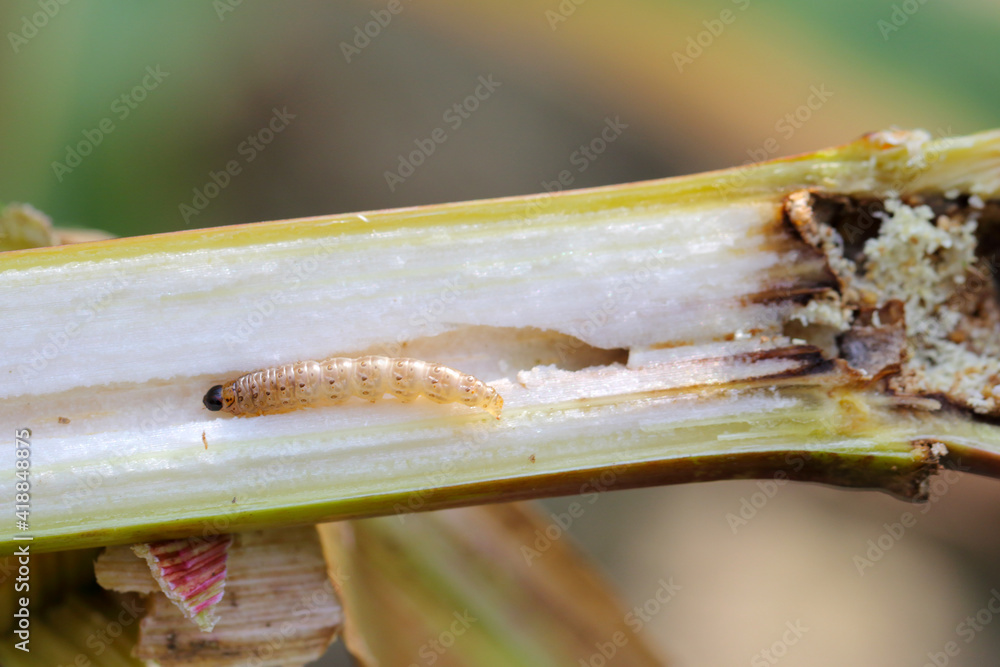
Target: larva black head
point(213, 399)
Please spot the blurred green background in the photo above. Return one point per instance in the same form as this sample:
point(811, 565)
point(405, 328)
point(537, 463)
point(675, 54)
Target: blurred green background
point(699, 86)
point(127, 116)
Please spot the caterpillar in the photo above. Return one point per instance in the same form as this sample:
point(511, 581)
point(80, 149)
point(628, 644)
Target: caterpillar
point(334, 380)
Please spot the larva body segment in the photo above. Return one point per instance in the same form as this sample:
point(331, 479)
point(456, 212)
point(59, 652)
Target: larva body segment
point(334, 380)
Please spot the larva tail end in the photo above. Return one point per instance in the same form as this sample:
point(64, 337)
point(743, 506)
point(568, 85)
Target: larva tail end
point(213, 398)
point(495, 405)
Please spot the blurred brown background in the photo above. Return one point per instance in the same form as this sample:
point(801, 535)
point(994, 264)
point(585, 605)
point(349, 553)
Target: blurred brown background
point(126, 117)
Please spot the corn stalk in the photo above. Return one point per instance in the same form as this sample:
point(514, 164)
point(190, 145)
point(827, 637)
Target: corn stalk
point(715, 326)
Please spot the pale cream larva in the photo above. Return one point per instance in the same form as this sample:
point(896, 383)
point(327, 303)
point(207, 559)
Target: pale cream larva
point(334, 380)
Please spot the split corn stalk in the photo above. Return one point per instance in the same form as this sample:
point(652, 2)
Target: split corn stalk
point(706, 327)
